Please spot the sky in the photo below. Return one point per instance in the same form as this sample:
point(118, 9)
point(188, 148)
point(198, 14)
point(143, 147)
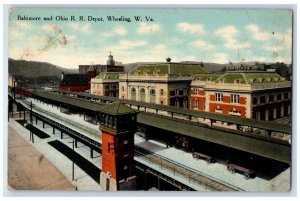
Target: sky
point(208, 35)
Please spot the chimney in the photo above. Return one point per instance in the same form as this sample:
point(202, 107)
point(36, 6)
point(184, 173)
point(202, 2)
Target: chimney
point(62, 76)
point(169, 65)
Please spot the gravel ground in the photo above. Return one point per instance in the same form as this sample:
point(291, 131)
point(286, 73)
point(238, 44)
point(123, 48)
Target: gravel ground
point(30, 170)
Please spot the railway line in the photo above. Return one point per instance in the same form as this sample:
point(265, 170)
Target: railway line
point(192, 175)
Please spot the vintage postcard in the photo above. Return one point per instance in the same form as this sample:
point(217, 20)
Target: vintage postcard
point(165, 99)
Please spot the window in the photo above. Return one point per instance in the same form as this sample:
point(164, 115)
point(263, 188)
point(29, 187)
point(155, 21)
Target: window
point(219, 97)
point(196, 104)
point(271, 98)
point(161, 92)
point(235, 98)
point(113, 122)
point(176, 92)
point(196, 91)
point(142, 94)
point(285, 95)
point(133, 94)
point(218, 110)
point(262, 99)
point(234, 112)
point(152, 96)
point(185, 92)
point(254, 100)
point(278, 96)
point(114, 87)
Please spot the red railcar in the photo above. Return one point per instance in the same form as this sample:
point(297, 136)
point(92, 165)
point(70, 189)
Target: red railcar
point(24, 92)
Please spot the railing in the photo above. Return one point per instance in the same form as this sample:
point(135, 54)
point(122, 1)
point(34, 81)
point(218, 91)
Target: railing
point(247, 87)
point(47, 118)
point(170, 110)
point(157, 77)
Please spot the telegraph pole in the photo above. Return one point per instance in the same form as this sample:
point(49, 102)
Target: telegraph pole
point(13, 85)
point(31, 122)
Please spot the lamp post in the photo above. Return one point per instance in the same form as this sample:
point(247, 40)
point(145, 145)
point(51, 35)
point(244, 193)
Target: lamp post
point(72, 159)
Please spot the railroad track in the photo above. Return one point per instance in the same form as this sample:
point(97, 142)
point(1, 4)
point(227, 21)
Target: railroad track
point(83, 128)
point(192, 174)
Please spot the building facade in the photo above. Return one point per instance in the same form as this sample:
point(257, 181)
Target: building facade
point(74, 82)
point(99, 68)
point(105, 84)
point(258, 95)
point(160, 83)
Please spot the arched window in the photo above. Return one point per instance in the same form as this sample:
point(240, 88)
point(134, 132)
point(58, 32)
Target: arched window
point(161, 92)
point(133, 94)
point(152, 96)
point(142, 94)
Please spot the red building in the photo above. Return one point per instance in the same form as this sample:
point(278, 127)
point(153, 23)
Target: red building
point(74, 82)
point(82, 82)
point(259, 95)
point(118, 125)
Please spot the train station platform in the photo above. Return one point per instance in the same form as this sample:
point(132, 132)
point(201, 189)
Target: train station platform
point(217, 171)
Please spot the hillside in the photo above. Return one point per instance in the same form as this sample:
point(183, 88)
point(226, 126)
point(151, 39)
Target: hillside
point(32, 69)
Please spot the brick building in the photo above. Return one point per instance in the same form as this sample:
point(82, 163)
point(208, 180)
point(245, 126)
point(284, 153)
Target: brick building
point(259, 95)
point(74, 82)
point(99, 68)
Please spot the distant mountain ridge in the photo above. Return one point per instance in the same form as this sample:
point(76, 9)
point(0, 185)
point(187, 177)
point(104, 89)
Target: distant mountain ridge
point(37, 69)
point(33, 69)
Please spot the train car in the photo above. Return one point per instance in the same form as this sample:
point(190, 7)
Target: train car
point(22, 91)
point(242, 170)
point(208, 159)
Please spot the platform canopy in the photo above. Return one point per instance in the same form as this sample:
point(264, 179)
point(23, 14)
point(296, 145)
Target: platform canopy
point(117, 108)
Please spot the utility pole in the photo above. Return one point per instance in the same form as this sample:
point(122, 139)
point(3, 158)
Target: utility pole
point(72, 159)
point(31, 122)
point(14, 88)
